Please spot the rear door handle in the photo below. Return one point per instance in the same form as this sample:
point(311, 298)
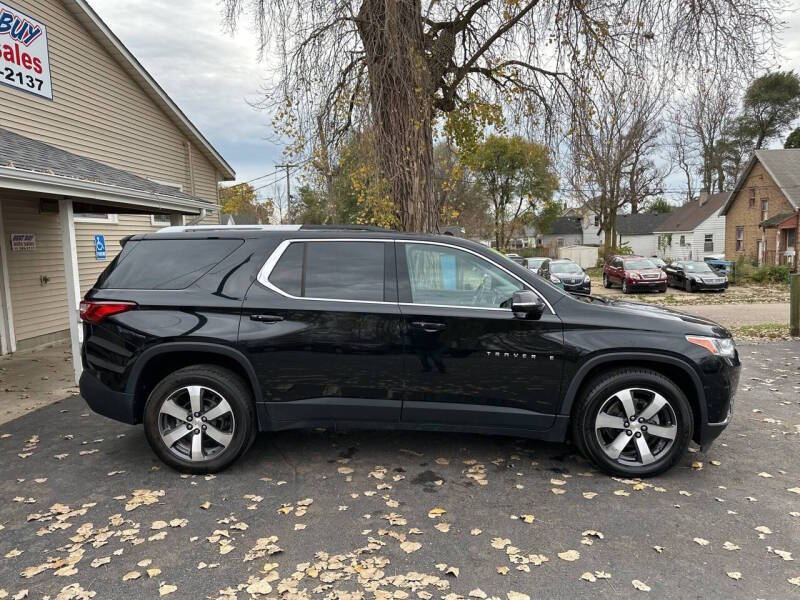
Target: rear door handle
point(428, 327)
point(266, 318)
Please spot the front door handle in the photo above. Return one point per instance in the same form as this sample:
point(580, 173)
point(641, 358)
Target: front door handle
point(429, 327)
point(266, 318)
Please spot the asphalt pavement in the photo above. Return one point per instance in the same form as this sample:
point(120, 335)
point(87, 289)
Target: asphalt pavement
point(87, 511)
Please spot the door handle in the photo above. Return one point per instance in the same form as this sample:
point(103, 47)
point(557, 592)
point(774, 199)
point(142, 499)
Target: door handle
point(266, 318)
point(429, 327)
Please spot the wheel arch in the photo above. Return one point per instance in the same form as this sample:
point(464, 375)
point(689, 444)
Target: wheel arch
point(677, 370)
point(156, 362)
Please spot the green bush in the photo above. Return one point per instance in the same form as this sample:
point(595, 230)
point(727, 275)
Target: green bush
point(746, 271)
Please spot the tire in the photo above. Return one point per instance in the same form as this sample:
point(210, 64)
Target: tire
point(234, 423)
point(606, 282)
point(663, 290)
point(687, 285)
point(673, 418)
point(625, 289)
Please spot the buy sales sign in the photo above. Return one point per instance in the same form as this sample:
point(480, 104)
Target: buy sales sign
point(24, 61)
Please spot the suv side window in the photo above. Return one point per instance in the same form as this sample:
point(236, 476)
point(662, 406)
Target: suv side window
point(446, 276)
point(332, 270)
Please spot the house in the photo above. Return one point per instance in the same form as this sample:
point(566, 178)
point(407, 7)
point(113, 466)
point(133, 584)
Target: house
point(762, 212)
point(92, 150)
point(694, 230)
point(638, 232)
point(563, 231)
point(238, 219)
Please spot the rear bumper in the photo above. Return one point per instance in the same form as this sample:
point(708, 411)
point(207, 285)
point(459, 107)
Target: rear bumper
point(105, 401)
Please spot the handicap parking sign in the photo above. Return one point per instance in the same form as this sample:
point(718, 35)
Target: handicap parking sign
point(99, 246)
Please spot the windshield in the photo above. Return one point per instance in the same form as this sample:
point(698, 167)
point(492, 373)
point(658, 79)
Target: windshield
point(640, 264)
point(565, 268)
point(697, 267)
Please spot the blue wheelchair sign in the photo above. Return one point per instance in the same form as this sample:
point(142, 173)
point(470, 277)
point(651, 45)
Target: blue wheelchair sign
point(99, 246)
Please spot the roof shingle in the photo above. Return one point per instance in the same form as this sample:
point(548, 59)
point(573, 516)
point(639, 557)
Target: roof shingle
point(689, 216)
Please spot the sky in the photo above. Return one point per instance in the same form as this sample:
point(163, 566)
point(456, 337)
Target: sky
point(215, 76)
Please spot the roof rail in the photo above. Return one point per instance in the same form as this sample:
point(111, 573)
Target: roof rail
point(344, 228)
point(190, 228)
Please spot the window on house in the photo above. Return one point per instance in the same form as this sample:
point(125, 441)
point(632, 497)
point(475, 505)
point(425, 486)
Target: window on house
point(752, 192)
point(683, 240)
point(95, 218)
point(708, 243)
point(739, 238)
point(560, 242)
point(764, 208)
point(163, 220)
point(597, 220)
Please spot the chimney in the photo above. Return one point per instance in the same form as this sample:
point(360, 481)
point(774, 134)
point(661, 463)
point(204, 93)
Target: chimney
point(703, 197)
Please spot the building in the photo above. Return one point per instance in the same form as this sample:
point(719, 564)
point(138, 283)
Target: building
point(694, 230)
point(91, 150)
point(761, 214)
point(638, 232)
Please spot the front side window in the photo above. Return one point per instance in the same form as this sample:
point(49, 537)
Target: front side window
point(445, 276)
point(332, 270)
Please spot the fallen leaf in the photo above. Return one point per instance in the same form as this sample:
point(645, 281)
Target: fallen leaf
point(730, 546)
point(701, 541)
point(436, 512)
point(734, 575)
point(587, 576)
point(517, 596)
point(569, 555)
point(589, 495)
point(166, 588)
point(409, 547)
point(131, 575)
point(640, 585)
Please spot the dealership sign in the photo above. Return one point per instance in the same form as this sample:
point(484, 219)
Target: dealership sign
point(24, 60)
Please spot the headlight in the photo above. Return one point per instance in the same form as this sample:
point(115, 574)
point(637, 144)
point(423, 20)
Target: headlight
point(586, 279)
point(718, 346)
point(634, 276)
point(554, 279)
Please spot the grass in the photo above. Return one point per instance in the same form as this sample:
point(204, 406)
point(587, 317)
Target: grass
point(765, 331)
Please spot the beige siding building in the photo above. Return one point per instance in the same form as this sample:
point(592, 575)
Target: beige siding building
point(90, 145)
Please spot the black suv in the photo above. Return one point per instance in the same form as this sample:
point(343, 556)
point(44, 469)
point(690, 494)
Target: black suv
point(210, 335)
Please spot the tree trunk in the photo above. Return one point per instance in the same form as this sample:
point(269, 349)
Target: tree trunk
point(392, 34)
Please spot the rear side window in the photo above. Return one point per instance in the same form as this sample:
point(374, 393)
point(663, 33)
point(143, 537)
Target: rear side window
point(332, 270)
point(165, 264)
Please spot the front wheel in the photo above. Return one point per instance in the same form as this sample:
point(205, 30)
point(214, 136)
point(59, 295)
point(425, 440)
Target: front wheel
point(200, 419)
point(633, 422)
point(606, 281)
point(688, 286)
point(625, 289)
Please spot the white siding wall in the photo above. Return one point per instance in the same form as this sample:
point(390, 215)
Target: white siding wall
point(570, 239)
point(591, 235)
point(643, 245)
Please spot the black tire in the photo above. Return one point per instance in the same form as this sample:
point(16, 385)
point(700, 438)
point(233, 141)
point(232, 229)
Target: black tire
point(232, 388)
point(625, 289)
point(603, 387)
point(663, 290)
point(688, 286)
point(606, 282)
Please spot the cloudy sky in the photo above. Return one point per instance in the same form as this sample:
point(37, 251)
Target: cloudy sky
point(214, 76)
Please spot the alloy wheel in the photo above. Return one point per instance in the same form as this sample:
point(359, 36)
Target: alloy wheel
point(636, 427)
point(196, 423)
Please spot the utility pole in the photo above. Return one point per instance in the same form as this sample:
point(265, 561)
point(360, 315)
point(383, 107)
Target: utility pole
point(288, 166)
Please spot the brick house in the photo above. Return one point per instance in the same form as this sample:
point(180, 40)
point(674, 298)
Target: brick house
point(763, 212)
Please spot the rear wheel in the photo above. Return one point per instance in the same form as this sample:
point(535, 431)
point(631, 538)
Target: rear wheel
point(633, 422)
point(200, 419)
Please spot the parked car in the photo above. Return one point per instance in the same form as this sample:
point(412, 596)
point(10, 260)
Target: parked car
point(207, 335)
point(569, 273)
point(694, 276)
point(634, 273)
point(516, 258)
point(534, 263)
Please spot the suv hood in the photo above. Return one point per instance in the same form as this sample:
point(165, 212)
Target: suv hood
point(665, 317)
point(653, 271)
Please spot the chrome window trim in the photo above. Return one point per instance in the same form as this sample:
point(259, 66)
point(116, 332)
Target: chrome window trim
point(272, 260)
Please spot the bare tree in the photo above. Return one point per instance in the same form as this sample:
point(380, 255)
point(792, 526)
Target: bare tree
point(700, 122)
point(398, 65)
point(614, 144)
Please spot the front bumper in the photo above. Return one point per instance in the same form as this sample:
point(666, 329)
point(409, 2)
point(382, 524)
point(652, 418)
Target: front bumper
point(105, 401)
point(703, 286)
point(720, 381)
point(578, 288)
point(656, 285)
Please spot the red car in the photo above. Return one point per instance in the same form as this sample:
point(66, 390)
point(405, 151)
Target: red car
point(634, 273)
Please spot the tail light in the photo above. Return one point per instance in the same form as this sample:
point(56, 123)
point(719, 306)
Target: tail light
point(95, 311)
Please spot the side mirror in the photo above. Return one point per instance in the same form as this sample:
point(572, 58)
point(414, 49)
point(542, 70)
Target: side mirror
point(526, 305)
